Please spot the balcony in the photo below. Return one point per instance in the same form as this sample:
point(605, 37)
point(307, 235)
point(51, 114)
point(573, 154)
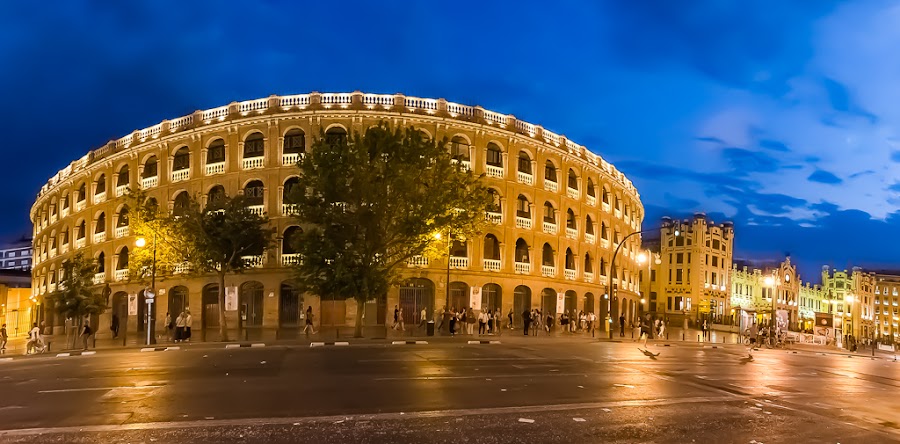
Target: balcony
point(523, 268)
point(618, 213)
point(549, 227)
point(253, 162)
point(417, 261)
point(122, 231)
point(178, 176)
point(253, 261)
point(99, 237)
point(80, 205)
point(591, 200)
point(548, 270)
point(64, 248)
point(290, 159)
point(604, 243)
point(573, 193)
point(570, 274)
point(121, 275)
point(99, 278)
point(525, 178)
point(494, 218)
point(100, 197)
point(590, 238)
point(182, 268)
point(288, 209)
point(121, 190)
point(552, 187)
point(80, 243)
point(606, 206)
point(571, 233)
point(149, 182)
point(523, 222)
point(215, 168)
point(53, 218)
point(466, 165)
point(259, 210)
point(491, 264)
point(52, 287)
point(290, 259)
point(64, 212)
point(588, 276)
point(53, 252)
point(459, 262)
point(495, 171)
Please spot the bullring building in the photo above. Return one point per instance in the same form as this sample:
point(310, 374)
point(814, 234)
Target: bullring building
point(559, 213)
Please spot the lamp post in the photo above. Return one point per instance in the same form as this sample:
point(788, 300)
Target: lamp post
point(612, 269)
point(848, 333)
point(150, 295)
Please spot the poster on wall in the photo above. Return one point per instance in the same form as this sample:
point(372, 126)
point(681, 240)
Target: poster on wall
point(560, 302)
point(132, 304)
point(475, 298)
point(231, 299)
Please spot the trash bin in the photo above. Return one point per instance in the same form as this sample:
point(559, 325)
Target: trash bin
point(430, 328)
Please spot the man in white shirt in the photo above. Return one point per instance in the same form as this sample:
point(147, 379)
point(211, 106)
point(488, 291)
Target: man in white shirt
point(35, 341)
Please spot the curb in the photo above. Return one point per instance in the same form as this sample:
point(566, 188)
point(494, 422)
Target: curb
point(5, 359)
point(322, 344)
point(159, 349)
point(244, 345)
point(483, 342)
point(81, 353)
point(409, 342)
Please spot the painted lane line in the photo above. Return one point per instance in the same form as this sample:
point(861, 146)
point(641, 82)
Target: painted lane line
point(5, 359)
point(322, 344)
point(483, 342)
point(95, 389)
point(409, 343)
point(159, 349)
point(436, 378)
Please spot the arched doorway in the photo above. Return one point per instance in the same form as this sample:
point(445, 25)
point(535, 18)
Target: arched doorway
point(178, 301)
point(290, 305)
point(589, 303)
point(521, 302)
point(120, 311)
point(491, 298)
point(548, 302)
point(571, 303)
point(459, 296)
point(210, 302)
point(251, 304)
point(417, 294)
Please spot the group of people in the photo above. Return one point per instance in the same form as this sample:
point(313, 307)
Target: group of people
point(180, 328)
point(533, 321)
point(463, 321)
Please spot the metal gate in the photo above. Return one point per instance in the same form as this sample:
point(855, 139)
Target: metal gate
point(491, 298)
point(416, 294)
point(290, 304)
point(571, 303)
point(548, 303)
point(251, 304)
point(521, 302)
point(211, 306)
point(589, 303)
point(459, 296)
point(178, 301)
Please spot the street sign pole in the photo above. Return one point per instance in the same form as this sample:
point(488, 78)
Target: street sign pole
point(149, 296)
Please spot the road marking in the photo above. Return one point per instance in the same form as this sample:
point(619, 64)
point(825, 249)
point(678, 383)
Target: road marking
point(84, 353)
point(322, 344)
point(156, 349)
point(429, 378)
point(409, 343)
point(483, 342)
point(96, 389)
point(365, 417)
point(6, 359)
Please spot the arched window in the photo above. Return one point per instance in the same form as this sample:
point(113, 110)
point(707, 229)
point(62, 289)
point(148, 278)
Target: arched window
point(588, 225)
point(524, 163)
point(590, 188)
point(336, 135)
point(254, 192)
point(523, 207)
point(603, 267)
point(547, 255)
point(122, 220)
point(101, 224)
point(182, 159)
point(588, 263)
point(151, 167)
point(216, 152)
point(573, 180)
point(289, 240)
point(101, 262)
point(182, 204)
point(604, 231)
point(82, 192)
point(494, 206)
point(549, 172)
point(64, 202)
point(254, 146)
point(294, 142)
point(522, 252)
point(100, 186)
point(459, 148)
point(494, 155)
point(570, 259)
point(64, 236)
point(570, 302)
point(123, 178)
point(606, 195)
point(122, 261)
point(216, 195)
point(491, 247)
point(570, 219)
point(460, 248)
point(549, 213)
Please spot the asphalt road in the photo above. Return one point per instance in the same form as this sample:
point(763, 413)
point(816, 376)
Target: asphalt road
point(522, 390)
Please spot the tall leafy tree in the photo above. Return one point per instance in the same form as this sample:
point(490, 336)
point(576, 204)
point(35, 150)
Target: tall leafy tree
point(147, 220)
point(372, 201)
point(76, 297)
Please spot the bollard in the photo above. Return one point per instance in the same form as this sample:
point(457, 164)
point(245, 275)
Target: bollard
point(698, 338)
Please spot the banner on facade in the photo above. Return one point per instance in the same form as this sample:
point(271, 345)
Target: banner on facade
point(475, 298)
point(132, 304)
point(560, 302)
point(231, 299)
point(824, 320)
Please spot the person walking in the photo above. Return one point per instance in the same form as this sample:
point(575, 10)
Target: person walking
point(3, 339)
point(470, 321)
point(35, 341)
point(396, 313)
point(510, 316)
point(662, 329)
point(549, 324)
point(490, 322)
point(170, 326)
point(452, 321)
point(646, 329)
point(703, 329)
point(188, 321)
point(309, 322)
point(114, 325)
point(400, 324)
point(179, 327)
point(592, 318)
point(622, 325)
point(497, 330)
point(86, 333)
point(526, 320)
point(422, 315)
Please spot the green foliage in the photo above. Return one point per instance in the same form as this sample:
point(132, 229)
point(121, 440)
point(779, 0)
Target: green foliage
point(74, 299)
point(148, 221)
point(372, 201)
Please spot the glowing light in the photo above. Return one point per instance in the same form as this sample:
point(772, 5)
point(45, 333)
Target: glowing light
point(769, 281)
point(642, 258)
point(140, 242)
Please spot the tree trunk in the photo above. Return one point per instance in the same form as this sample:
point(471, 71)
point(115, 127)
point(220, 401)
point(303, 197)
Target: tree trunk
point(223, 327)
point(360, 307)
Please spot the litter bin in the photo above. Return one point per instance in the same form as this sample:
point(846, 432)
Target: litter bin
point(430, 328)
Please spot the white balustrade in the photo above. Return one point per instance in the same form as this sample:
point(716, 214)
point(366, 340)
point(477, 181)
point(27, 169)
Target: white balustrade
point(604, 243)
point(590, 238)
point(588, 276)
point(178, 176)
point(253, 261)
point(290, 159)
point(551, 186)
point(182, 268)
point(523, 222)
point(121, 190)
point(494, 218)
point(491, 264)
point(549, 227)
point(258, 105)
point(571, 233)
point(259, 210)
point(121, 275)
point(52, 287)
point(52, 218)
point(572, 193)
point(80, 205)
point(99, 278)
point(253, 162)
point(525, 178)
point(215, 168)
point(606, 206)
point(53, 252)
point(149, 182)
point(99, 237)
point(288, 209)
point(495, 171)
point(569, 274)
point(289, 259)
point(301, 100)
point(548, 270)
point(618, 213)
point(523, 268)
point(64, 248)
point(100, 197)
point(591, 200)
point(417, 261)
point(64, 212)
point(123, 231)
point(466, 165)
point(215, 113)
point(459, 262)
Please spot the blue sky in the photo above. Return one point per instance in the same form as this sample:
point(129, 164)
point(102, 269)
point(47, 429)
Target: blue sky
point(780, 116)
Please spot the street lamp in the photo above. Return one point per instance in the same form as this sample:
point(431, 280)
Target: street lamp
point(150, 295)
point(612, 269)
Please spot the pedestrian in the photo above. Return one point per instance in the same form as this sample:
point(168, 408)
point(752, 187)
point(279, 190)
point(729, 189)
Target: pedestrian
point(470, 321)
point(3, 339)
point(170, 326)
point(662, 329)
point(309, 322)
point(400, 325)
point(179, 327)
point(549, 324)
point(497, 329)
point(753, 331)
point(564, 321)
point(526, 320)
point(510, 316)
point(645, 329)
point(703, 329)
point(396, 313)
point(86, 333)
point(622, 325)
point(490, 322)
point(422, 315)
point(35, 341)
point(537, 319)
point(482, 324)
point(592, 318)
point(453, 322)
point(188, 321)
